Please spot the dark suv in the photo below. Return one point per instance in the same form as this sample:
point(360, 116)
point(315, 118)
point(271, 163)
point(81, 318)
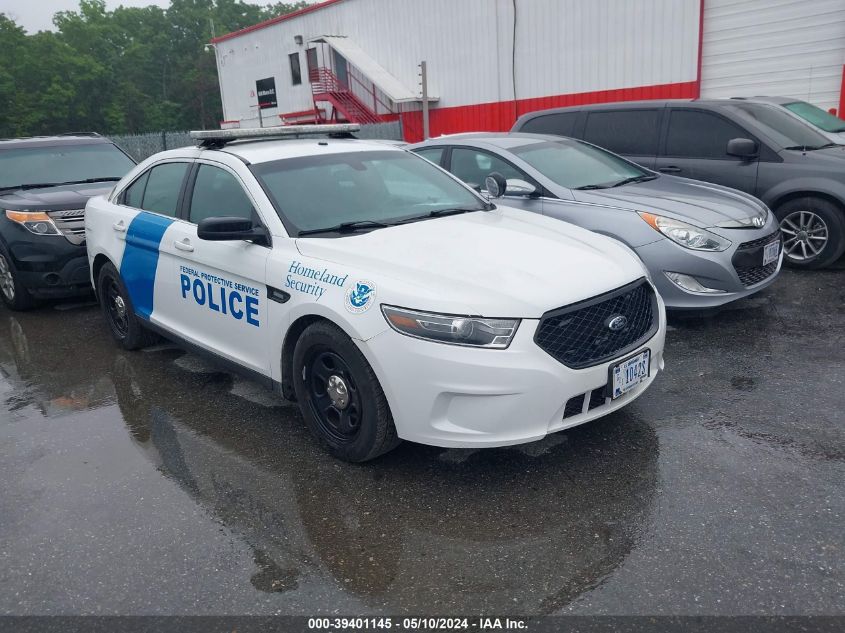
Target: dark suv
point(44, 185)
point(751, 146)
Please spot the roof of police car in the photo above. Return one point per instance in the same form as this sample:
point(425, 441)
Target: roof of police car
point(263, 151)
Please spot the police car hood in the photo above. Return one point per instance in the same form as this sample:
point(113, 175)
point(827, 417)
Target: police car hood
point(502, 263)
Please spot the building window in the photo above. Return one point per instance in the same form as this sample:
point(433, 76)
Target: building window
point(295, 71)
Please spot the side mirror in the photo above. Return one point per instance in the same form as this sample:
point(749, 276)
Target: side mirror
point(518, 187)
point(742, 148)
point(219, 229)
point(496, 185)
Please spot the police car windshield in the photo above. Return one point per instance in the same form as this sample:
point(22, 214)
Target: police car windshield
point(367, 189)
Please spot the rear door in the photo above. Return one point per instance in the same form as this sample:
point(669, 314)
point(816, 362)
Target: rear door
point(632, 133)
point(695, 146)
point(219, 289)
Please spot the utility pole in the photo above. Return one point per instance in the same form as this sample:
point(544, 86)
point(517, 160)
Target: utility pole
point(424, 82)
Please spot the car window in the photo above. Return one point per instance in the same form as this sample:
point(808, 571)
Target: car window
point(434, 154)
point(561, 123)
point(818, 117)
point(632, 132)
point(316, 192)
point(134, 194)
point(783, 128)
point(698, 134)
point(473, 166)
point(218, 193)
point(163, 186)
point(576, 165)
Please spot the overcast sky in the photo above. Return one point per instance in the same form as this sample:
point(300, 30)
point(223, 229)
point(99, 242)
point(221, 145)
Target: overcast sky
point(37, 15)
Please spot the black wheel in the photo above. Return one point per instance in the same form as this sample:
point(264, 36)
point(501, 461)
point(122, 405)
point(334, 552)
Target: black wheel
point(813, 232)
point(128, 330)
point(340, 396)
point(14, 295)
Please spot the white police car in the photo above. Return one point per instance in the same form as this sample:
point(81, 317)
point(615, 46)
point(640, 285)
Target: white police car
point(387, 298)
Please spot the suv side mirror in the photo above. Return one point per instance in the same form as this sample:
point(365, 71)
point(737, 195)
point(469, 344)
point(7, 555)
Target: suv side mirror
point(742, 148)
point(219, 229)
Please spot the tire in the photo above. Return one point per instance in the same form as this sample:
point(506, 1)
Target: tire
point(12, 292)
point(339, 395)
point(126, 328)
point(813, 232)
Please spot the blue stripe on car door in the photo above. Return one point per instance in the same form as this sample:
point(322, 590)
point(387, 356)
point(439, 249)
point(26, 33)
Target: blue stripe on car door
point(140, 259)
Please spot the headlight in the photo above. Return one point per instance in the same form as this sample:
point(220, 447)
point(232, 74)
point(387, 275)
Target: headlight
point(451, 329)
point(686, 235)
point(36, 222)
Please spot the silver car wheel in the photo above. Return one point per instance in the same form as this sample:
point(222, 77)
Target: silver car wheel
point(805, 235)
point(7, 282)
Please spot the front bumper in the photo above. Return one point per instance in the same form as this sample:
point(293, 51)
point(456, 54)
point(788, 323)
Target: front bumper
point(445, 395)
point(714, 270)
point(49, 266)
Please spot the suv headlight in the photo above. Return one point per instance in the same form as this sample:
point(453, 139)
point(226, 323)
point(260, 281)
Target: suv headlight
point(686, 235)
point(36, 222)
point(451, 329)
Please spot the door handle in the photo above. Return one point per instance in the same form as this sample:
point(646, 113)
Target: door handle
point(119, 226)
point(184, 245)
point(671, 169)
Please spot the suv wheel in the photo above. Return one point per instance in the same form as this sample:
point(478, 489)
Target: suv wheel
point(813, 232)
point(126, 328)
point(14, 295)
point(340, 396)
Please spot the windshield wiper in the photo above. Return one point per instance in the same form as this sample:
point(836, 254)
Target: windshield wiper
point(44, 185)
point(811, 148)
point(588, 187)
point(439, 213)
point(347, 227)
point(633, 179)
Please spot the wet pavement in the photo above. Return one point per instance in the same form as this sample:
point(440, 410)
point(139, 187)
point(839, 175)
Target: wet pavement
point(153, 483)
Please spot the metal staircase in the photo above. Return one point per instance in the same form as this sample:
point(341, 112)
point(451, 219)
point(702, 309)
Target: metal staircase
point(327, 88)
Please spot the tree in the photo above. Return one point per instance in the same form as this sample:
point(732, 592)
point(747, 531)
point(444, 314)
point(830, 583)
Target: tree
point(129, 70)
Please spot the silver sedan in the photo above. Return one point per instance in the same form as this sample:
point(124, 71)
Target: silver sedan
point(704, 244)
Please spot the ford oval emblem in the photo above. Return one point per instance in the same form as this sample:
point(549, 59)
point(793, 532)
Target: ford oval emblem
point(617, 322)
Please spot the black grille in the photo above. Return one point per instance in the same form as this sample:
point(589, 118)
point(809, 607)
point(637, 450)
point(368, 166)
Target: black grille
point(574, 406)
point(579, 336)
point(753, 251)
point(597, 398)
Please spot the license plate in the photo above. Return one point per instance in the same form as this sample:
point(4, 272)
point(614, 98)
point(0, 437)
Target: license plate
point(629, 373)
point(771, 252)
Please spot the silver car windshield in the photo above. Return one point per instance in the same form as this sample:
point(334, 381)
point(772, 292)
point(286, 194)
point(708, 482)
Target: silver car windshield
point(344, 192)
point(576, 165)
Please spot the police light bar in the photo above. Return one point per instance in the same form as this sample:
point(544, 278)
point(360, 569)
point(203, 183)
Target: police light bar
point(221, 137)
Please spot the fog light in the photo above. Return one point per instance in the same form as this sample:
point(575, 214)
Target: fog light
point(691, 284)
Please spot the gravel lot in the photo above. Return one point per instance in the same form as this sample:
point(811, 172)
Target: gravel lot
point(153, 483)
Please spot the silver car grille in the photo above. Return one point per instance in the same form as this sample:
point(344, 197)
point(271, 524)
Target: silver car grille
point(71, 223)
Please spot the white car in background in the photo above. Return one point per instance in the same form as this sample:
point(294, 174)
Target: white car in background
point(387, 298)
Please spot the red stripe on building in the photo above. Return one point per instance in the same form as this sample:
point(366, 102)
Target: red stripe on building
point(276, 20)
point(499, 116)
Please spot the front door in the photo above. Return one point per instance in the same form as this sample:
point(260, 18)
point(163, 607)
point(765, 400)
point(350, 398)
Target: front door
point(695, 147)
point(221, 301)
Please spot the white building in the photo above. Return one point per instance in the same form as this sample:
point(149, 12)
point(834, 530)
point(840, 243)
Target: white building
point(489, 61)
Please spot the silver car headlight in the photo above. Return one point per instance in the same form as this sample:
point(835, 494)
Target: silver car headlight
point(686, 235)
point(451, 329)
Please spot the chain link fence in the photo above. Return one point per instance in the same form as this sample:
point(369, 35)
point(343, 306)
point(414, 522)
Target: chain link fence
point(141, 146)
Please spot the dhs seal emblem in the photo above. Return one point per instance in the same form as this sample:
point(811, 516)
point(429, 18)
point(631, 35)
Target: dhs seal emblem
point(360, 296)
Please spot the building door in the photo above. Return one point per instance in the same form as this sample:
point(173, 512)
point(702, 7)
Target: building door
point(311, 62)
